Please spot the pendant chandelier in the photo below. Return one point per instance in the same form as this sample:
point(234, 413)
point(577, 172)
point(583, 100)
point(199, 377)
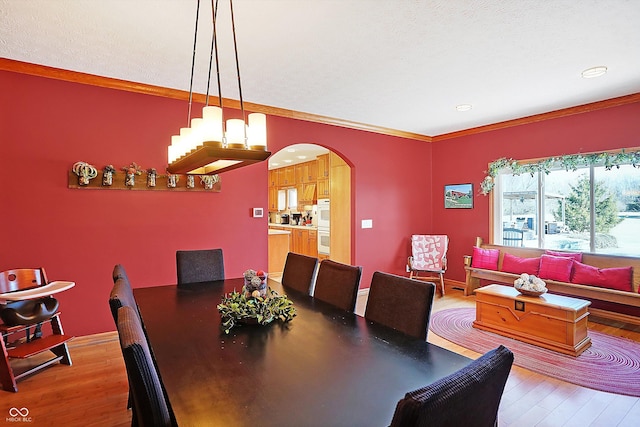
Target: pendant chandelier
point(207, 145)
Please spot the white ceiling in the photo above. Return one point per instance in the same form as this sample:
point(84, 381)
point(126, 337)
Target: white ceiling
point(398, 64)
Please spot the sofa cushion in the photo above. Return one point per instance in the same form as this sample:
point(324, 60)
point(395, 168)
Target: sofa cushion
point(613, 278)
point(555, 268)
point(517, 265)
point(485, 258)
point(575, 255)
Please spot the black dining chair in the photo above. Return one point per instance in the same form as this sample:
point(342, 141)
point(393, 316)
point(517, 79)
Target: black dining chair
point(468, 397)
point(119, 271)
point(400, 303)
point(299, 272)
point(338, 284)
point(121, 295)
point(150, 407)
point(205, 265)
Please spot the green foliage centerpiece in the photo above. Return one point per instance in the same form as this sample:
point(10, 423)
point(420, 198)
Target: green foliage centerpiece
point(256, 304)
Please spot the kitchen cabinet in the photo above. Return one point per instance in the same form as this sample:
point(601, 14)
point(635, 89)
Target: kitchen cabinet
point(273, 178)
point(313, 243)
point(273, 199)
point(323, 166)
point(286, 176)
point(323, 189)
point(278, 246)
point(307, 172)
point(303, 241)
point(299, 173)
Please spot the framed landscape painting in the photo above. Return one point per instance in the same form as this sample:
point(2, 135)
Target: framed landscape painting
point(458, 196)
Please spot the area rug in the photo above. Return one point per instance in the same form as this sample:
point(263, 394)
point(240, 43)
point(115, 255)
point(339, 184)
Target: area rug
point(611, 364)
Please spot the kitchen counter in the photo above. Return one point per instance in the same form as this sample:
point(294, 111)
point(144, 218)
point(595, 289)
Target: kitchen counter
point(305, 227)
point(272, 231)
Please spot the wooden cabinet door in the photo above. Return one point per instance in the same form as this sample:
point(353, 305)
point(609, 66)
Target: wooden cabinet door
point(290, 175)
point(297, 241)
point(323, 189)
point(273, 178)
point(311, 172)
point(313, 243)
point(323, 166)
point(299, 173)
point(273, 199)
point(281, 177)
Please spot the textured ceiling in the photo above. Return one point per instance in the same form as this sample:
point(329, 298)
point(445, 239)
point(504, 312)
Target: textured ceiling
point(398, 64)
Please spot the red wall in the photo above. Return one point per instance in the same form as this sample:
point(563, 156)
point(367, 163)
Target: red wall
point(465, 159)
point(47, 125)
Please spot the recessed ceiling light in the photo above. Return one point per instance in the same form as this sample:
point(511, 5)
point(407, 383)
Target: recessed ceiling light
point(288, 161)
point(301, 157)
point(291, 150)
point(594, 72)
point(464, 107)
point(275, 164)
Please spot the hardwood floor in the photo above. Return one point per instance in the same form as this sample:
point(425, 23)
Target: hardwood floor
point(93, 392)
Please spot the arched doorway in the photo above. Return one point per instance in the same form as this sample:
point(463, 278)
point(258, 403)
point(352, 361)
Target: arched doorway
point(305, 179)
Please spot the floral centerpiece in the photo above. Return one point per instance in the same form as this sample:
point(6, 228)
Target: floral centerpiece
point(256, 304)
point(528, 284)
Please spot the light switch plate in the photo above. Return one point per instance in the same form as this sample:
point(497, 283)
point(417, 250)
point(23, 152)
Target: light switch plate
point(367, 223)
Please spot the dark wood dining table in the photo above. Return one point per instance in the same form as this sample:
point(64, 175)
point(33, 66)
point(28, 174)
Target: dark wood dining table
point(326, 367)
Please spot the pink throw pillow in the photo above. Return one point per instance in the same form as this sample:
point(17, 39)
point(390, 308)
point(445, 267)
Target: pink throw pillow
point(555, 268)
point(485, 258)
point(575, 255)
point(613, 278)
point(517, 265)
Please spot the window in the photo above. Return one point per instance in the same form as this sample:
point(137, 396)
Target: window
point(590, 209)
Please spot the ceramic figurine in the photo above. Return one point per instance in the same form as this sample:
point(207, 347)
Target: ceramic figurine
point(209, 180)
point(85, 172)
point(107, 175)
point(190, 181)
point(172, 180)
point(132, 170)
point(151, 177)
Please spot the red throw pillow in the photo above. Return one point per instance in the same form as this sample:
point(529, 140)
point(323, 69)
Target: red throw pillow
point(517, 265)
point(575, 255)
point(485, 258)
point(555, 268)
point(613, 278)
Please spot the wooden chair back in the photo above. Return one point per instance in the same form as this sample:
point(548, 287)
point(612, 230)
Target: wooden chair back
point(400, 303)
point(22, 278)
point(338, 284)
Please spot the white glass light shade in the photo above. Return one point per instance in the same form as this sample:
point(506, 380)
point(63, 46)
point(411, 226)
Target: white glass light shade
point(185, 141)
point(235, 132)
point(196, 133)
point(212, 124)
point(173, 150)
point(257, 132)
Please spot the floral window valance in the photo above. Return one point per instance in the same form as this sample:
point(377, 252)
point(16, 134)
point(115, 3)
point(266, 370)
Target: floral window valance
point(570, 162)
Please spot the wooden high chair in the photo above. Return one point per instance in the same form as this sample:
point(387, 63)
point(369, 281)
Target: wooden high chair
point(26, 303)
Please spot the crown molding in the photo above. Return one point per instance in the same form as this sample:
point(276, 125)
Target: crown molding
point(111, 83)
point(585, 108)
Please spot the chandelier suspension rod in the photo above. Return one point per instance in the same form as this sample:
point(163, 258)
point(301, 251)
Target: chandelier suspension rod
point(214, 49)
point(193, 63)
point(235, 48)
